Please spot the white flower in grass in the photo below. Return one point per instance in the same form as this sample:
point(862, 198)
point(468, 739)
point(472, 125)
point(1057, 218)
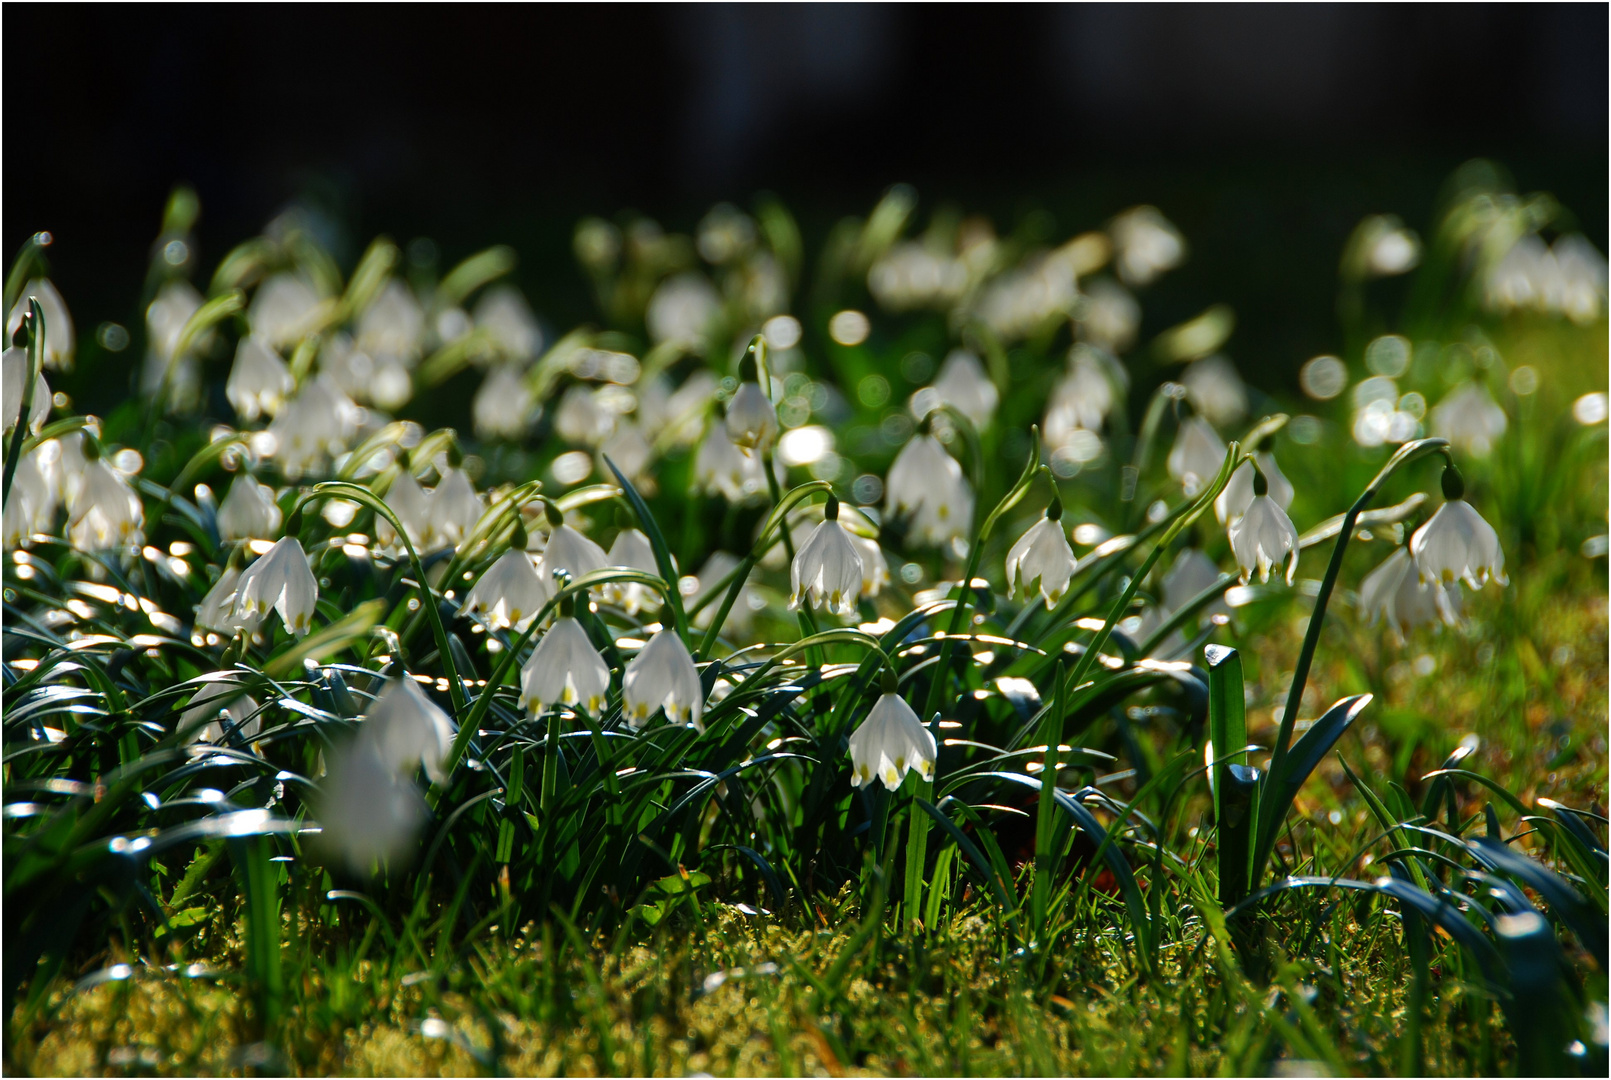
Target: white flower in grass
point(284, 310)
point(219, 703)
point(248, 512)
point(722, 468)
point(452, 510)
point(631, 453)
point(1263, 535)
point(1110, 316)
point(565, 669)
point(963, 385)
point(1233, 501)
point(568, 550)
point(368, 812)
point(1394, 592)
point(217, 609)
point(742, 615)
point(1215, 389)
point(503, 406)
point(510, 593)
point(316, 424)
point(752, 420)
point(58, 352)
point(1469, 418)
point(281, 580)
point(412, 505)
point(1145, 244)
point(682, 311)
point(1457, 545)
point(926, 483)
point(104, 512)
point(1197, 455)
point(874, 567)
point(166, 317)
point(581, 418)
point(1084, 397)
point(392, 324)
point(259, 382)
point(663, 675)
point(409, 729)
point(632, 551)
point(504, 316)
point(1042, 558)
point(31, 509)
point(890, 743)
point(13, 373)
point(827, 568)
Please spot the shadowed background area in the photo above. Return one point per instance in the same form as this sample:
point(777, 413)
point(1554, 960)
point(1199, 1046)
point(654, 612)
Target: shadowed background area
point(1264, 132)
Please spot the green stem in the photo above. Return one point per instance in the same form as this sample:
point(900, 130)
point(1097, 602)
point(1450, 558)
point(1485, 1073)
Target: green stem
point(36, 349)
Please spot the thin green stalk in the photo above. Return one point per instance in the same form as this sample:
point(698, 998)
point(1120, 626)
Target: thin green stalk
point(35, 325)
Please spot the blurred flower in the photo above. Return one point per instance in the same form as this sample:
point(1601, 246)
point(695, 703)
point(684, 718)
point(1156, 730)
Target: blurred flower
point(58, 351)
point(1109, 317)
point(874, 567)
point(392, 325)
point(677, 416)
point(1394, 592)
point(503, 314)
point(1381, 247)
point(285, 310)
point(280, 580)
point(104, 513)
point(453, 510)
point(369, 813)
point(316, 424)
point(1083, 398)
point(926, 484)
point(1021, 301)
point(1189, 575)
point(1216, 390)
point(910, 275)
point(1263, 535)
point(502, 408)
point(31, 509)
point(631, 453)
point(259, 382)
point(1042, 559)
point(1145, 245)
point(663, 675)
point(1238, 494)
point(1569, 279)
point(165, 321)
point(510, 593)
point(752, 420)
point(1197, 455)
point(827, 567)
point(720, 467)
point(889, 743)
point(1469, 418)
point(219, 702)
point(682, 312)
point(13, 374)
point(963, 385)
point(1582, 279)
point(406, 499)
point(408, 729)
point(581, 418)
point(724, 234)
point(1457, 544)
point(564, 669)
point(248, 512)
point(632, 551)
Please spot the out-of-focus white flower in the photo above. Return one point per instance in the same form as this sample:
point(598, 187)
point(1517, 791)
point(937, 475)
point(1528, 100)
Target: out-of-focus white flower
point(1189, 575)
point(392, 325)
point(259, 382)
point(581, 418)
point(827, 568)
point(315, 425)
point(1109, 317)
point(911, 275)
point(1470, 419)
point(1197, 455)
point(510, 593)
point(632, 551)
point(1394, 592)
point(502, 408)
point(663, 675)
point(710, 575)
point(725, 234)
point(368, 812)
point(720, 467)
point(1238, 493)
point(1042, 559)
point(752, 420)
point(1395, 251)
point(676, 416)
point(874, 567)
point(503, 314)
point(631, 453)
point(682, 311)
point(248, 512)
point(13, 374)
point(1021, 301)
point(31, 509)
point(926, 483)
point(1263, 535)
point(59, 339)
point(890, 743)
point(1569, 279)
point(963, 385)
point(104, 512)
point(165, 321)
point(217, 609)
point(223, 696)
point(1215, 390)
point(452, 510)
point(284, 311)
point(409, 729)
point(1083, 398)
point(1145, 245)
point(1457, 544)
point(1582, 283)
point(564, 669)
point(280, 580)
point(412, 505)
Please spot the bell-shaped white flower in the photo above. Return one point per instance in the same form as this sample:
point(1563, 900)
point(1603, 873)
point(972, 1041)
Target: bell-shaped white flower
point(631, 453)
point(284, 310)
point(676, 416)
point(1215, 390)
point(752, 420)
point(315, 425)
point(722, 468)
point(1470, 419)
point(1145, 245)
point(568, 550)
point(963, 385)
point(13, 373)
point(663, 675)
point(59, 339)
point(1189, 575)
point(682, 311)
point(890, 743)
point(409, 729)
point(392, 324)
point(581, 418)
point(217, 610)
point(218, 703)
point(105, 513)
point(1083, 398)
point(510, 593)
point(1109, 317)
point(31, 509)
point(259, 382)
point(452, 510)
point(1457, 545)
point(280, 580)
point(505, 317)
point(412, 505)
point(564, 669)
point(1233, 501)
point(827, 569)
point(926, 484)
point(1197, 455)
point(1395, 593)
point(166, 317)
point(1263, 536)
point(631, 551)
point(1042, 559)
point(502, 408)
point(248, 512)
point(874, 567)
point(369, 814)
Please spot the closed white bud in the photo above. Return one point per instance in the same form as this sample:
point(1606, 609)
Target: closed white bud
point(663, 675)
point(564, 669)
point(891, 742)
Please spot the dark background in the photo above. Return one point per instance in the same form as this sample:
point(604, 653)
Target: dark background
point(1264, 132)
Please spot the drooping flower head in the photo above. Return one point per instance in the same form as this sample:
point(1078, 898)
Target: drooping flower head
point(1263, 535)
point(926, 484)
point(827, 569)
point(260, 382)
point(752, 419)
point(409, 729)
point(565, 668)
point(663, 675)
point(249, 511)
point(1042, 559)
point(104, 512)
point(1237, 495)
point(1197, 455)
point(1394, 593)
point(1457, 544)
point(280, 580)
point(891, 742)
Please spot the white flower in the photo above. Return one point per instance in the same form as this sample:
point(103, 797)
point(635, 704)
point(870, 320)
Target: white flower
point(1110, 316)
point(1215, 390)
point(1582, 281)
point(281, 580)
point(284, 310)
point(1081, 400)
point(676, 415)
point(165, 321)
point(874, 567)
point(502, 408)
point(248, 512)
point(1042, 559)
point(752, 421)
point(682, 310)
point(1197, 455)
point(13, 373)
point(1468, 417)
point(503, 314)
point(31, 509)
point(259, 382)
point(890, 743)
point(510, 593)
point(409, 729)
point(222, 696)
point(663, 675)
point(1146, 245)
point(316, 424)
point(452, 510)
point(572, 552)
point(564, 669)
point(1263, 536)
point(963, 385)
point(1022, 300)
point(1238, 493)
point(722, 468)
point(926, 483)
point(217, 609)
point(827, 568)
point(631, 452)
point(910, 275)
point(1189, 575)
point(392, 324)
point(58, 351)
point(368, 812)
point(1458, 545)
point(104, 512)
point(1391, 252)
point(633, 551)
point(1394, 592)
point(581, 418)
